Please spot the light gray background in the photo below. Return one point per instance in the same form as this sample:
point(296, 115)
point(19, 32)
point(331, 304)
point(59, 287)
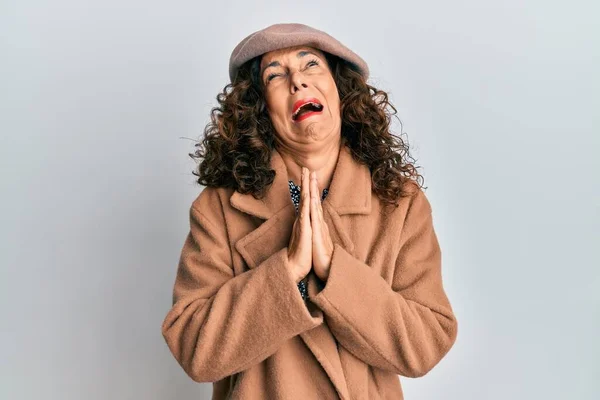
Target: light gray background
point(101, 102)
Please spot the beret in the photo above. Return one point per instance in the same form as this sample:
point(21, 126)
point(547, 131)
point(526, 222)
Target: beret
point(279, 36)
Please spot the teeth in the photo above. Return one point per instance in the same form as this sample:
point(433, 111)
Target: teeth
point(317, 105)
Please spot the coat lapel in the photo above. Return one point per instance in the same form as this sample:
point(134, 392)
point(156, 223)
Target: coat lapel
point(349, 193)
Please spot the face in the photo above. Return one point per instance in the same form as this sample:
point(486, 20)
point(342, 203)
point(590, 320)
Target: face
point(289, 77)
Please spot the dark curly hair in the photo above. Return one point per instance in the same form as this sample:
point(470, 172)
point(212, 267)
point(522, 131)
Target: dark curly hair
point(239, 140)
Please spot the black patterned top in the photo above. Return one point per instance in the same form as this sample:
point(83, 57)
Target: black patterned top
point(295, 193)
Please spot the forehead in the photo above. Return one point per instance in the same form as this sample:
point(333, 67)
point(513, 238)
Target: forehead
point(280, 54)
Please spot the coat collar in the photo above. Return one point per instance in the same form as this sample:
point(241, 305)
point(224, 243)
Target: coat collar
point(349, 190)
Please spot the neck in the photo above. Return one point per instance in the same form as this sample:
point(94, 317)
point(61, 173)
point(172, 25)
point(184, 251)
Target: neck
point(322, 160)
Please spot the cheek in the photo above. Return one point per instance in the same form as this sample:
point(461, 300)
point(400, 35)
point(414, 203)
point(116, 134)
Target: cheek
point(334, 103)
point(332, 96)
point(277, 110)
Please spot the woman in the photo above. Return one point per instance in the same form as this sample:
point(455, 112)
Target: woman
point(312, 269)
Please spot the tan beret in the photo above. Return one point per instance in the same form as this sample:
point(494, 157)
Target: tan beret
point(279, 36)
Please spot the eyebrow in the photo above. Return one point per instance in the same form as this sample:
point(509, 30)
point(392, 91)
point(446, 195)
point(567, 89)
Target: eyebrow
point(300, 54)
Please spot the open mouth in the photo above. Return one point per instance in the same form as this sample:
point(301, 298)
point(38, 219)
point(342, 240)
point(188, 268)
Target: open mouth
point(307, 110)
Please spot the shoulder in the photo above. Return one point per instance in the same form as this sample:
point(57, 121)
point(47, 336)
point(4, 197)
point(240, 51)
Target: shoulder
point(413, 211)
point(414, 202)
point(212, 200)
point(418, 201)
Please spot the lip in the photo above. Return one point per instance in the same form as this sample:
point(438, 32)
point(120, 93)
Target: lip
point(307, 115)
point(305, 100)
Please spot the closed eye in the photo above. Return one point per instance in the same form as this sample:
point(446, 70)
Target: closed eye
point(308, 64)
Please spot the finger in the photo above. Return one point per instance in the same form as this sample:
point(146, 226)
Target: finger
point(314, 204)
point(314, 186)
point(313, 208)
point(321, 210)
point(294, 231)
point(316, 194)
point(315, 221)
point(305, 196)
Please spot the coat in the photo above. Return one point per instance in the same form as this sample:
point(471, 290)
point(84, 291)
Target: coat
point(238, 319)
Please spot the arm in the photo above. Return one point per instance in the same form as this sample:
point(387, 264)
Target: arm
point(220, 324)
point(406, 328)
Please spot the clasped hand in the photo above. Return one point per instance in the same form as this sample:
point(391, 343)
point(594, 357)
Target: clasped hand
point(310, 243)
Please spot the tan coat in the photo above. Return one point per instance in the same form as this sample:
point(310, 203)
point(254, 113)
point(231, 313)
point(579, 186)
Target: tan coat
point(238, 318)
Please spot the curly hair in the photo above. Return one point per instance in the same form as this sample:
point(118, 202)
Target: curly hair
point(238, 142)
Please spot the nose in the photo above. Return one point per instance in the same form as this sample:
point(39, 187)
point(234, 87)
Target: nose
point(297, 81)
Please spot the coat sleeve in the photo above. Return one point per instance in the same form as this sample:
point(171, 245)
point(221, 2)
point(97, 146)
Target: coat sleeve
point(220, 324)
point(406, 327)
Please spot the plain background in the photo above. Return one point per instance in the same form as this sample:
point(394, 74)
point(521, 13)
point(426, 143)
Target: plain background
point(101, 102)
